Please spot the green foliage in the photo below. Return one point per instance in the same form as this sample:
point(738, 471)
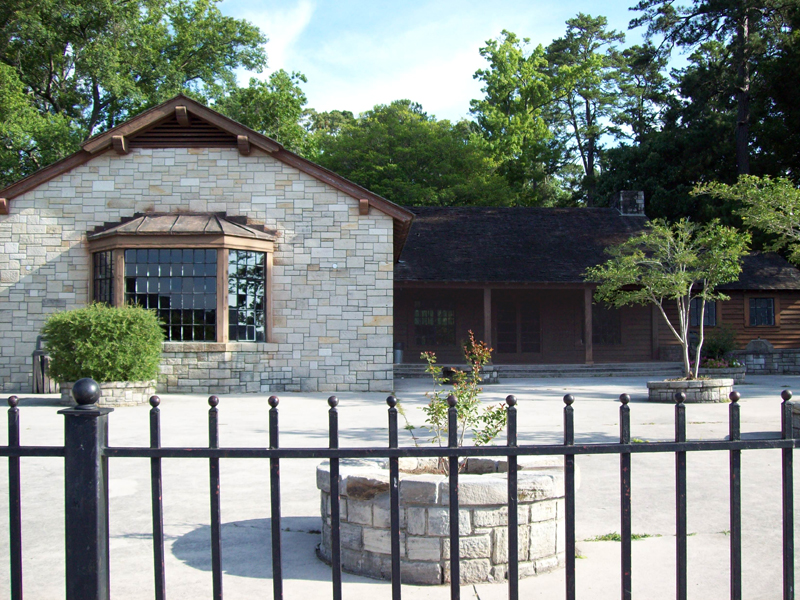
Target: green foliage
point(511, 115)
point(484, 425)
point(29, 140)
point(407, 156)
point(586, 71)
point(273, 107)
point(719, 342)
point(96, 63)
point(616, 537)
point(672, 263)
point(769, 204)
point(104, 343)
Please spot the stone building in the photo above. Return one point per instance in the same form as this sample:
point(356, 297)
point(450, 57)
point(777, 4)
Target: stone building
point(270, 272)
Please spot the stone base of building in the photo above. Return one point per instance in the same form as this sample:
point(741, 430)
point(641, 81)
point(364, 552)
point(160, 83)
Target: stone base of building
point(258, 368)
point(772, 362)
point(696, 390)
point(736, 373)
point(115, 393)
point(424, 519)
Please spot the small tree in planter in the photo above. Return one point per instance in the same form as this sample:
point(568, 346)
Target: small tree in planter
point(672, 263)
point(108, 344)
point(484, 423)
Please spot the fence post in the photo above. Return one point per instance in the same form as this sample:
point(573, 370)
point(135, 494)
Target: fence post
point(86, 494)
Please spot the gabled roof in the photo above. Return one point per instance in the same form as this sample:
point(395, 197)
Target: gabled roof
point(515, 245)
point(183, 122)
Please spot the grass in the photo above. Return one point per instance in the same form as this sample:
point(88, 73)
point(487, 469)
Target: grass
point(616, 537)
point(638, 441)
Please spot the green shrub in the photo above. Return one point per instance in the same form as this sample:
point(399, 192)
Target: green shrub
point(105, 343)
point(719, 341)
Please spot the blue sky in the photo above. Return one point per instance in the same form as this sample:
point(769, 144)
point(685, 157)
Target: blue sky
point(357, 53)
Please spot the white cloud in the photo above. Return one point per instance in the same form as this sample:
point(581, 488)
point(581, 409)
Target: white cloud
point(283, 27)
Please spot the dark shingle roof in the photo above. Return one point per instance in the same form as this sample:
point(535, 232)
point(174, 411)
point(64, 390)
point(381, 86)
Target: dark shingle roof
point(765, 272)
point(538, 245)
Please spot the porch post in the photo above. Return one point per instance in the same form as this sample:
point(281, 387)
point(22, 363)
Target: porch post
point(487, 316)
point(587, 326)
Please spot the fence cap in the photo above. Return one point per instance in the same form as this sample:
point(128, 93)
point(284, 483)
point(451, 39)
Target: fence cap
point(86, 391)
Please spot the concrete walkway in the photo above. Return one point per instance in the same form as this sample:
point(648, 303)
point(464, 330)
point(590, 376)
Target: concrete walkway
point(245, 494)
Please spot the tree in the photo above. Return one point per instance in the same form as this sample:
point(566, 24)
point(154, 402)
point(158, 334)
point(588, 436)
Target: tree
point(644, 90)
point(402, 153)
point(586, 71)
point(510, 116)
point(29, 139)
point(738, 25)
point(676, 263)
point(273, 107)
point(771, 205)
point(99, 62)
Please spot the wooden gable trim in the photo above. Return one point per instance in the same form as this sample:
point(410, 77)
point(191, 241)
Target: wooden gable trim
point(182, 115)
point(120, 143)
point(46, 174)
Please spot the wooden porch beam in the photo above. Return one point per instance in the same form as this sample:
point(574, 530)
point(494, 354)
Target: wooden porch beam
point(587, 327)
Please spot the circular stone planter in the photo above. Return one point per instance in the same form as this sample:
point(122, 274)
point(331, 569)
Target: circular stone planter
point(696, 390)
point(115, 393)
point(424, 519)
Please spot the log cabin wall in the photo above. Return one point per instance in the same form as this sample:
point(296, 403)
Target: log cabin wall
point(735, 313)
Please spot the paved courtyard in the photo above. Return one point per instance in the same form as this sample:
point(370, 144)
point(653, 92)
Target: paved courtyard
point(245, 494)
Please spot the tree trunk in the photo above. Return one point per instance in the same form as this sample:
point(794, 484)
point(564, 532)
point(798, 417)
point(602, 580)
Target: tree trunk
point(743, 96)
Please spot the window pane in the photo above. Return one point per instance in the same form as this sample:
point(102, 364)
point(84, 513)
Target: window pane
point(246, 294)
point(762, 312)
point(606, 325)
point(162, 280)
point(103, 283)
point(434, 325)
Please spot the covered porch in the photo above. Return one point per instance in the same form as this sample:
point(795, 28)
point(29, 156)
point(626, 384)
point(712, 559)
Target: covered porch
point(535, 324)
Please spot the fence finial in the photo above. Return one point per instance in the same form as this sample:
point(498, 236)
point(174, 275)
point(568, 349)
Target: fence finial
point(451, 400)
point(734, 396)
point(569, 399)
point(786, 395)
point(155, 401)
point(680, 397)
point(624, 398)
point(391, 401)
point(13, 401)
point(213, 401)
point(333, 401)
point(273, 401)
point(86, 391)
point(511, 400)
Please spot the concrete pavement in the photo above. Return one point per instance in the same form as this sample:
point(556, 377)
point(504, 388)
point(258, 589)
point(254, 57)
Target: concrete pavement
point(245, 494)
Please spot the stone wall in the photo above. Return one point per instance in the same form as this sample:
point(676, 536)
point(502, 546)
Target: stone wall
point(696, 390)
point(775, 362)
point(115, 393)
point(332, 277)
point(425, 521)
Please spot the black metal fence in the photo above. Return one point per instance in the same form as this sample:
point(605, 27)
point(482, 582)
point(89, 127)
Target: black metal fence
point(86, 453)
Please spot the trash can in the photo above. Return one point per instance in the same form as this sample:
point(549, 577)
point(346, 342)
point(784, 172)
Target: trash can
point(42, 383)
point(398, 353)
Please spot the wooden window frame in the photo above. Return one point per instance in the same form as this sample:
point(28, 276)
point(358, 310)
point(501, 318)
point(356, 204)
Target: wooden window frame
point(716, 314)
point(117, 244)
point(776, 308)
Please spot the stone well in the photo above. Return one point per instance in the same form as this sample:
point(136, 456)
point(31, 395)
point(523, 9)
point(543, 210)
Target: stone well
point(115, 393)
point(424, 519)
point(696, 390)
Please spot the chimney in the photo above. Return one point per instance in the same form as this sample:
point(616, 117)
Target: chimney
point(629, 203)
